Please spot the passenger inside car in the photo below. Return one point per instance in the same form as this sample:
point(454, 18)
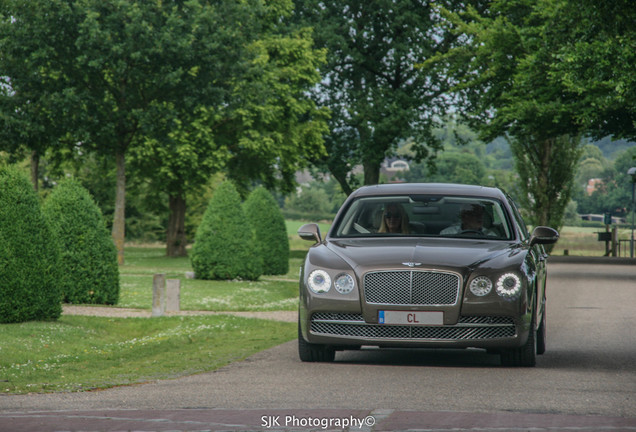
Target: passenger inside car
point(394, 220)
point(472, 221)
point(425, 216)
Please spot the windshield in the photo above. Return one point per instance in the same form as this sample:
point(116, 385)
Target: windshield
point(424, 215)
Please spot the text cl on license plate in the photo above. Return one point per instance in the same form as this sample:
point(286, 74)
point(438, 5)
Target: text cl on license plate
point(411, 317)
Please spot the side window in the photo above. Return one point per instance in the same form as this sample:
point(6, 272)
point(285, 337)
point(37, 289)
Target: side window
point(523, 230)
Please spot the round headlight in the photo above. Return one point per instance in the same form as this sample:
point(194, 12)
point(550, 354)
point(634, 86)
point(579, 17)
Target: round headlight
point(509, 286)
point(480, 286)
point(344, 283)
point(319, 281)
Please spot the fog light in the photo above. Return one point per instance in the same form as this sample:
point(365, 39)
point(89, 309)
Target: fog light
point(480, 286)
point(319, 281)
point(509, 286)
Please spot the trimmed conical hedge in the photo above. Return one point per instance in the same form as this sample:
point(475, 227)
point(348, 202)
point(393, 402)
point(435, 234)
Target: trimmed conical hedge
point(268, 224)
point(89, 271)
point(29, 254)
point(224, 245)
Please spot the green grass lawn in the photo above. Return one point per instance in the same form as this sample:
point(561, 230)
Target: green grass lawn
point(583, 241)
point(268, 293)
point(80, 353)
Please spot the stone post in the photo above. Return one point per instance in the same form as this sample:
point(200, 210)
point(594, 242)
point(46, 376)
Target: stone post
point(173, 295)
point(158, 295)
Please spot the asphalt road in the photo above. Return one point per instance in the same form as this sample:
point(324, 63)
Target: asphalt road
point(585, 381)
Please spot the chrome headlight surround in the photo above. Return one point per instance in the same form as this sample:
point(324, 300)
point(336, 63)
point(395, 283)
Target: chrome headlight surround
point(509, 286)
point(344, 283)
point(480, 286)
point(319, 281)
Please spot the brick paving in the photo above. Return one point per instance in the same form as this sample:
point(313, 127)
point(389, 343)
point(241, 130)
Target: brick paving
point(380, 420)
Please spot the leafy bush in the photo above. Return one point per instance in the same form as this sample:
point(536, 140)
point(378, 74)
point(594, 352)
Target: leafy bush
point(224, 243)
point(29, 254)
point(89, 271)
point(270, 233)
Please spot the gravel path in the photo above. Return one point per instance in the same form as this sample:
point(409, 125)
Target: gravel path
point(286, 316)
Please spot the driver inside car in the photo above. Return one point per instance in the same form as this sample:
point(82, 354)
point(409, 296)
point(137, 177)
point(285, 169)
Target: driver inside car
point(472, 222)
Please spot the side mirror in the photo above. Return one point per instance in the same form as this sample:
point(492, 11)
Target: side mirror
point(543, 235)
point(310, 232)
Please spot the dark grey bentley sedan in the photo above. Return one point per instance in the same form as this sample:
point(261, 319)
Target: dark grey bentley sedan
point(425, 265)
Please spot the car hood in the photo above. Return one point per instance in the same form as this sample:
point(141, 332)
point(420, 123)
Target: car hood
point(422, 253)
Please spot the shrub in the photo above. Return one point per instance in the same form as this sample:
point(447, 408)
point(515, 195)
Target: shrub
point(29, 254)
point(223, 245)
point(270, 233)
point(89, 271)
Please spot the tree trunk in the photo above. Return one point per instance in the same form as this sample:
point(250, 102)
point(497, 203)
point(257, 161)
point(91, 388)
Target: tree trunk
point(542, 198)
point(119, 218)
point(371, 172)
point(343, 182)
point(176, 240)
point(35, 167)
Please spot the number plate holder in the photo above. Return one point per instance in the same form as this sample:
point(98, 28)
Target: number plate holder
point(411, 317)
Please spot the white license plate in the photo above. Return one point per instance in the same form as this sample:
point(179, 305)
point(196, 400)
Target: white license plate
point(411, 317)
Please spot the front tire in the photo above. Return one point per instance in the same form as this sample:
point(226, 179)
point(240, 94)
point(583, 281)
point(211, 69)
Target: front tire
point(542, 333)
point(309, 352)
point(524, 356)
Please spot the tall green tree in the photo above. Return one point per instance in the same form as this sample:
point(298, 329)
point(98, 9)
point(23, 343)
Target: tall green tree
point(255, 121)
point(33, 57)
point(135, 59)
point(371, 83)
point(279, 128)
point(504, 75)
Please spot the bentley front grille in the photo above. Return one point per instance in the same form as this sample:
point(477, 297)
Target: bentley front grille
point(468, 328)
point(410, 287)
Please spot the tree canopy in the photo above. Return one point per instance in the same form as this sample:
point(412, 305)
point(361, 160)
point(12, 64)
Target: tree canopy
point(170, 94)
point(371, 83)
point(31, 64)
point(503, 74)
point(180, 89)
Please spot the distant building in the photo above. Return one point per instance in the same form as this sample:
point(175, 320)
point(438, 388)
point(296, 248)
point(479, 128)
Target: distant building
point(592, 185)
point(391, 169)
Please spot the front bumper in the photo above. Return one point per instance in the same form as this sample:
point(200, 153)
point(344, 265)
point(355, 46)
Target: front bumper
point(489, 322)
point(350, 329)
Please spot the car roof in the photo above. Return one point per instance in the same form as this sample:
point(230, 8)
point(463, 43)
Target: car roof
point(429, 188)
